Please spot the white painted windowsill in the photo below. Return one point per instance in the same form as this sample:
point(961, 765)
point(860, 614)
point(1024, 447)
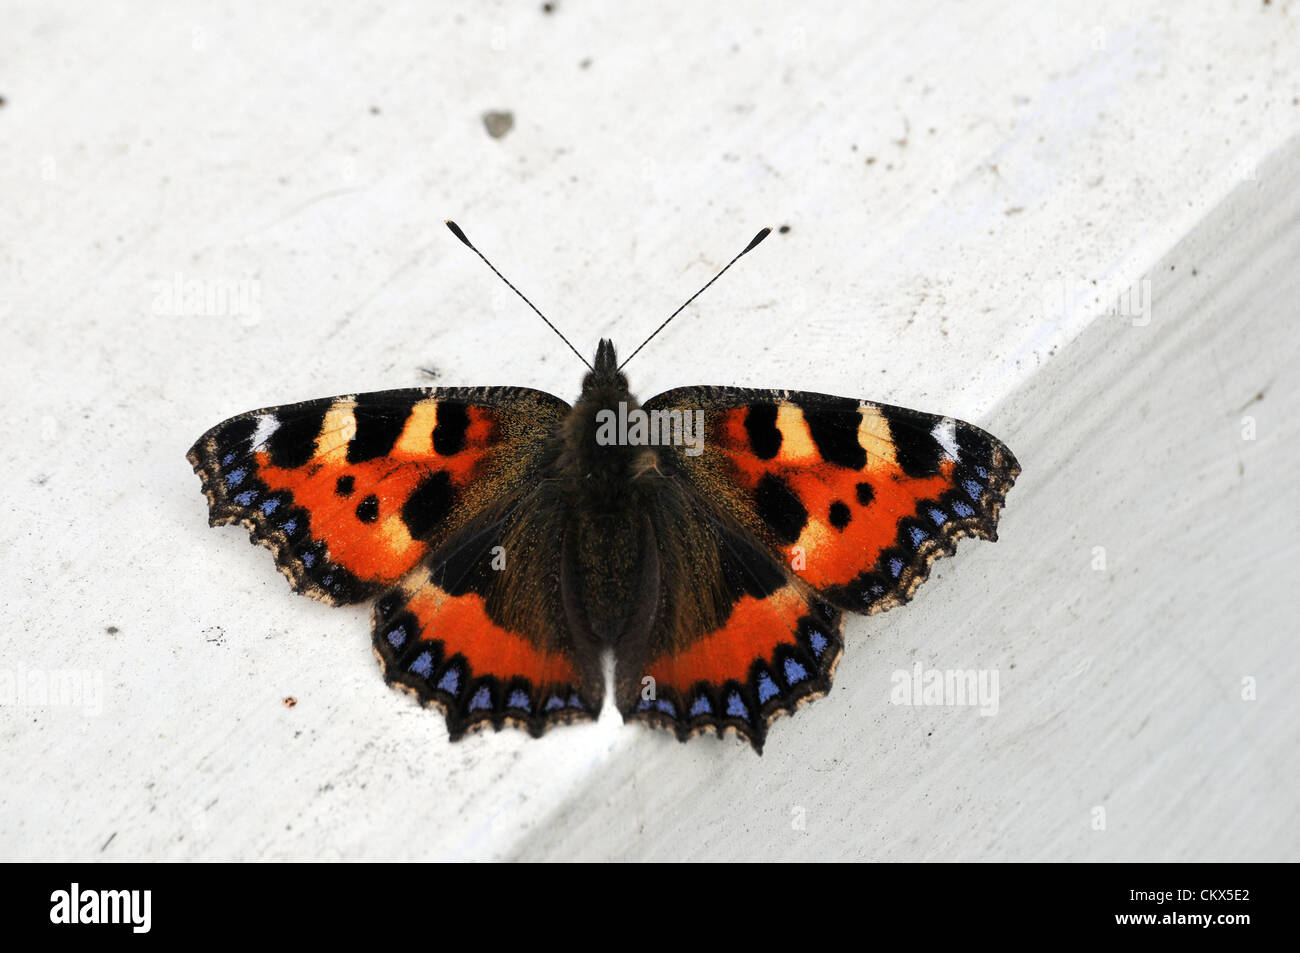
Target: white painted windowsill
point(967, 188)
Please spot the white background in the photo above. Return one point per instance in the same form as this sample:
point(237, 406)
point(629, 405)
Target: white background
point(950, 175)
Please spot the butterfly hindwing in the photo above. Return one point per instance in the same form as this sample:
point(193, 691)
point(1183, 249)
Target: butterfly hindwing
point(479, 630)
point(732, 639)
point(351, 492)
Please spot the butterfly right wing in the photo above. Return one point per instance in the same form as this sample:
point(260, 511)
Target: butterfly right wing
point(811, 505)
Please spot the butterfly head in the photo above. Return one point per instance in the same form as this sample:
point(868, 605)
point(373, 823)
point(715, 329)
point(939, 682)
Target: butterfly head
point(595, 453)
point(604, 374)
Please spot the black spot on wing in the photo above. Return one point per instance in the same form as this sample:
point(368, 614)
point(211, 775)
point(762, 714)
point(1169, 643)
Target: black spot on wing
point(345, 485)
point(449, 431)
point(429, 504)
point(368, 509)
point(917, 452)
point(294, 442)
point(760, 425)
point(380, 420)
point(840, 515)
point(866, 493)
point(780, 508)
point(835, 432)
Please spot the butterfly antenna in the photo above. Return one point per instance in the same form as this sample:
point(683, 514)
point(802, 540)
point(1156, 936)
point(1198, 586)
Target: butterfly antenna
point(754, 243)
point(455, 230)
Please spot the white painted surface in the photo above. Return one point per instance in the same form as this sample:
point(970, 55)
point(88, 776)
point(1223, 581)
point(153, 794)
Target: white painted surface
point(949, 174)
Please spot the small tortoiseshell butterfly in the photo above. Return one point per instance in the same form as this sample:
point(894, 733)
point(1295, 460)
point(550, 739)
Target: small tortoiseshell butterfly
point(511, 540)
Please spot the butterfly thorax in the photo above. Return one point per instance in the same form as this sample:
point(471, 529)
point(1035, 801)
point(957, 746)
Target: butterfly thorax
point(597, 459)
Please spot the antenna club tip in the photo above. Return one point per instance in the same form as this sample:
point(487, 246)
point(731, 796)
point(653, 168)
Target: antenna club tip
point(455, 230)
point(757, 239)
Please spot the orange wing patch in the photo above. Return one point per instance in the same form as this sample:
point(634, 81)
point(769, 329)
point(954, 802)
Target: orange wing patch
point(831, 520)
point(362, 511)
point(754, 630)
point(356, 512)
point(463, 625)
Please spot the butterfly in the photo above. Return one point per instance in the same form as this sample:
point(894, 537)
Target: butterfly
point(710, 540)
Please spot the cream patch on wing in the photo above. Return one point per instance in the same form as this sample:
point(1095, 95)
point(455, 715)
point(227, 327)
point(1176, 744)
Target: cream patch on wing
point(337, 431)
point(797, 444)
point(417, 436)
point(875, 438)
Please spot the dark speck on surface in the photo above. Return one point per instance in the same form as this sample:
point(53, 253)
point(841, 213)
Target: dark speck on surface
point(498, 124)
point(784, 229)
point(290, 701)
point(112, 630)
point(1259, 395)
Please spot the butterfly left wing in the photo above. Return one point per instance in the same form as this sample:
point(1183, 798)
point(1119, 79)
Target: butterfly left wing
point(839, 505)
point(350, 493)
point(432, 499)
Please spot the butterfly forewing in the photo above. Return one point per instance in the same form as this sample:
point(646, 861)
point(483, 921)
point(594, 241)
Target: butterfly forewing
point(857, 498)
